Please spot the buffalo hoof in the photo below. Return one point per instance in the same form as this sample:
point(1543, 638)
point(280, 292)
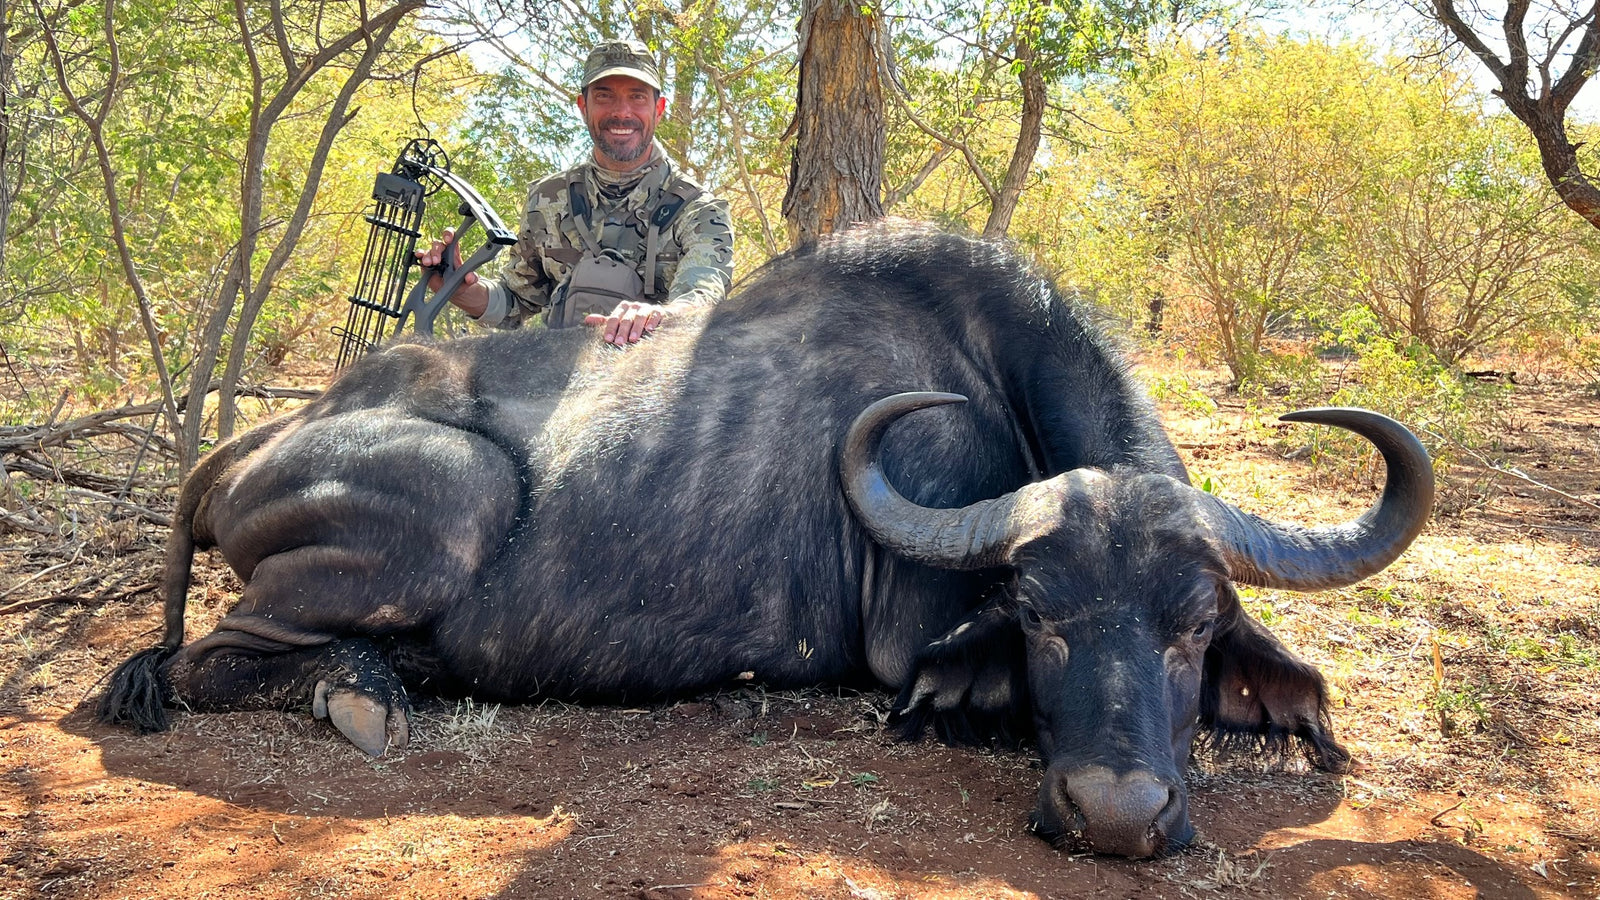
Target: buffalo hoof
point(371, 724)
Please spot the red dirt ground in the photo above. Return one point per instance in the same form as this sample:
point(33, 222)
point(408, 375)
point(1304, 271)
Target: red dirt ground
point(1465, 675)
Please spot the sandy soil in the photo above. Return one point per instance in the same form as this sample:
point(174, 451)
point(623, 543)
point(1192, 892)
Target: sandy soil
point(1465, 675)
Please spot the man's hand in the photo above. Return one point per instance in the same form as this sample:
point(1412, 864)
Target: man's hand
point(472, 302)
point(629, 322)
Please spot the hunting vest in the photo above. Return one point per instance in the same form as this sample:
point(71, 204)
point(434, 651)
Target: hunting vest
point(605, 276)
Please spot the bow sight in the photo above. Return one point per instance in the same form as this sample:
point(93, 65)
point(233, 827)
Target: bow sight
point(381, 306)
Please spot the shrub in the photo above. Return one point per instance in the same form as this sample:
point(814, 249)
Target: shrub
point(1398, 377)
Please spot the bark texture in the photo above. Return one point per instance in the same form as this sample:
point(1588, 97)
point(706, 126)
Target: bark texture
point(836, 172)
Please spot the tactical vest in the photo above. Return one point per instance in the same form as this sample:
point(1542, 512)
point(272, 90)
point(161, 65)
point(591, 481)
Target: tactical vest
point(603, 276)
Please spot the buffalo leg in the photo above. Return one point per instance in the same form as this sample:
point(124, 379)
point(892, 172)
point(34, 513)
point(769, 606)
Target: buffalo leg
point(348, 681)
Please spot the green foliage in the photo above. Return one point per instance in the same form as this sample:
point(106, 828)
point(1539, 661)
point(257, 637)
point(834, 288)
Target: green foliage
point(1453, 237)
point(728, 78)
point(512, 134)
point(166, 130)
point(1585, 357)
point(1461, 707)
point(1242, 158)
point(1560, 649)
point(1243, 197)
point(1262, 609)
point(1180, 391)
point(1326, 225)
point(1572, 338)
point(1369, 368)
point(960, 68)
point(1296, 374)
point(176, 128)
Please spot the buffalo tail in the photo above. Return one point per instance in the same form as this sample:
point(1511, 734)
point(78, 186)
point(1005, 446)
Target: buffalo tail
point(137, 695)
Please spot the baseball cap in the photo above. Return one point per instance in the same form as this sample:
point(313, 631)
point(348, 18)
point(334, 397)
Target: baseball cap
point(630, 58)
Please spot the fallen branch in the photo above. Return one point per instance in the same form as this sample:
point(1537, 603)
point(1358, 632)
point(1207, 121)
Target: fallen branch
point(41, 573)
point(143, 512)
point(1523, 476)
point(12, 520)
point(107, 593)
point(268, 392)
point(15, 438)
point(27, 518)
point(29, 464)
point(1437, 822)
point(1531, 526)
point(23, 605)
point(1514, 472)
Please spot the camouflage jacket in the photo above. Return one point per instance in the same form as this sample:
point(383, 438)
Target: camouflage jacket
point(694, 260)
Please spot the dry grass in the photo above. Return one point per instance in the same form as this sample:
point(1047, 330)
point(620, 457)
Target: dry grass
point(1464, 677)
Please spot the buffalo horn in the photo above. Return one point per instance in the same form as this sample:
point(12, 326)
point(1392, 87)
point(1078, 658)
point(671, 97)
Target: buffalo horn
point(973, 537)
point(1273, 555)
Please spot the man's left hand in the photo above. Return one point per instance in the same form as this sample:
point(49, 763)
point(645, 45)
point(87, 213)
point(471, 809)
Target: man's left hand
point(629, 322)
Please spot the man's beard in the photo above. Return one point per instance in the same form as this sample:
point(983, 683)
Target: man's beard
point(615, 148)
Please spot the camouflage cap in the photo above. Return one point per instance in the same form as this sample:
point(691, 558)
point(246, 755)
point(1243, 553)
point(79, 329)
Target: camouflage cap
point(630, 58)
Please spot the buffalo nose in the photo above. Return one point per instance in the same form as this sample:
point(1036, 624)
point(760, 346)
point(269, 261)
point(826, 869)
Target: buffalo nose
point(1134, 814)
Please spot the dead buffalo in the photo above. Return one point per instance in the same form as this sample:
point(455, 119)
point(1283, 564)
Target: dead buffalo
point(534, 514)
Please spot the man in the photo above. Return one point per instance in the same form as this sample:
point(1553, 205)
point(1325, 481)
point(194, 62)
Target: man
point(622, 241)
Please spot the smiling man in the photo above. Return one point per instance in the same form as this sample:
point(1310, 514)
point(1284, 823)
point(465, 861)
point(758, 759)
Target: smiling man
point(621, 241)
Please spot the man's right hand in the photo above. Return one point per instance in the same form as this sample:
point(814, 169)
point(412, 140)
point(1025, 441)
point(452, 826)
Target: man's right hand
point(434, 255)
point(470, 296)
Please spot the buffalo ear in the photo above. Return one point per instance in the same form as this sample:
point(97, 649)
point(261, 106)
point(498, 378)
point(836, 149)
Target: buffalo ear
point(1257, 692)
point(971, 684)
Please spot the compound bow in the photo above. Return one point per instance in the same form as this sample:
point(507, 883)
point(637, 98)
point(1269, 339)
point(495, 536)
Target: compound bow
point(381, 305)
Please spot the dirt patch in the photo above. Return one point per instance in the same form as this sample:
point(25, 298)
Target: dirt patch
point(1465, 678)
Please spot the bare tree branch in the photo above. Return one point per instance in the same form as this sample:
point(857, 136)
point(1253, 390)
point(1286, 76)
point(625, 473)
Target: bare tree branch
point(769, 241)
point(265, 114)
point(95, 123)
point(16, 438)
point(333, 122)
point(967, 153)
point(1544, 110)
point(104, 597)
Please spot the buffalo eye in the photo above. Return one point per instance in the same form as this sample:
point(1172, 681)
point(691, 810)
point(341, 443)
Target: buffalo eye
point(1040, 636)
point(1031, 620)
point(1201, 631)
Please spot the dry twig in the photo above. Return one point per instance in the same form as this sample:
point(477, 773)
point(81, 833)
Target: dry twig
point(12, 520)
point(29, 464)
point(27, 518)
point(42, 573)
point(16, 438)
point(103, 597)
point(143, 512)
point(1514, 472)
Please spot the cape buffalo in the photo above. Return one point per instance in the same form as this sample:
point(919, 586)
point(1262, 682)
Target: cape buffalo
point(534, 514)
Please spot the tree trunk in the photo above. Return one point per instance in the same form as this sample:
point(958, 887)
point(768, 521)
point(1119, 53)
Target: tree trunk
point(1559, 157)
point(1157, 312)
point(1027, 146)
point(94, 122)
point(5, 129)
point(265, 112)
point(335, 119)
point(836, 172)
point(682, 112)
